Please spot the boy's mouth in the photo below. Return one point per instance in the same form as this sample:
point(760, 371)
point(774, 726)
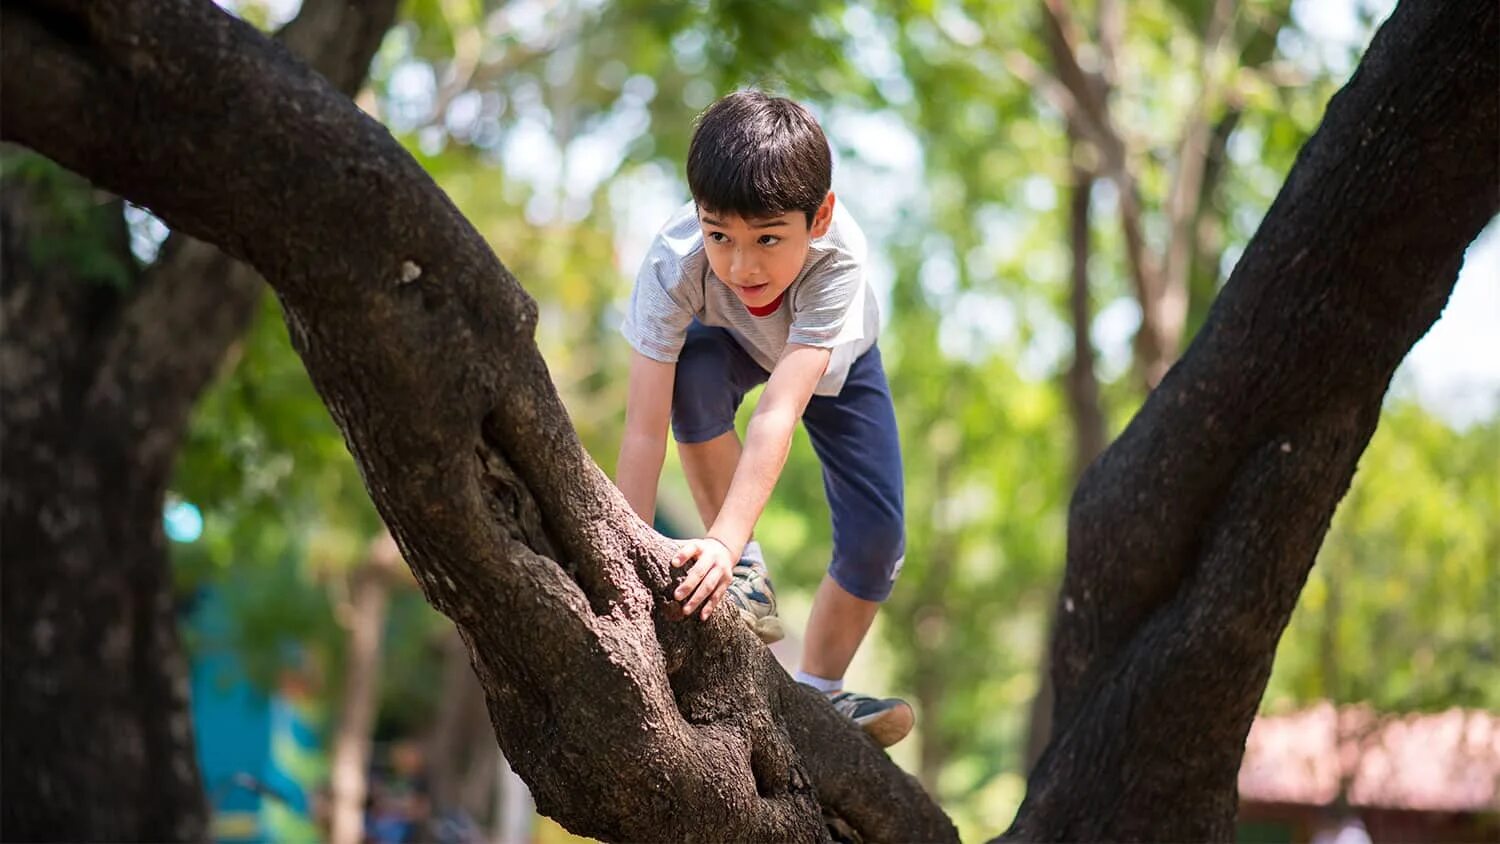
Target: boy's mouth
point(753, 289)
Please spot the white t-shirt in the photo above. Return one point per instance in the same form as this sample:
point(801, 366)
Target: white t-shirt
point(830, 304)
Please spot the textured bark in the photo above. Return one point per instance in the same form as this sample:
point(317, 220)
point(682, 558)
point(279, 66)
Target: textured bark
point(624, 722)
point(1191, 537)
point(96, 382)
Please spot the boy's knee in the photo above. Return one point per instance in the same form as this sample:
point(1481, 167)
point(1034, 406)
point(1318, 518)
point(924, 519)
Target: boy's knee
point(867, 561)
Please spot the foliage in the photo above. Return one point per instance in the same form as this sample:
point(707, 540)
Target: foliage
point(1399, 611)
point(85, 223)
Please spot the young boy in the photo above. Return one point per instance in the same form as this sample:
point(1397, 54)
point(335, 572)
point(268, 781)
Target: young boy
point(761, 280)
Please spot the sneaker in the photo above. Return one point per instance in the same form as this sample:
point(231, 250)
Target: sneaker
point(887, 720)
point(751, 593)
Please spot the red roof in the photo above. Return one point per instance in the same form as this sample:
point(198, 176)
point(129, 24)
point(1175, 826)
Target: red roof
point(1446, 761)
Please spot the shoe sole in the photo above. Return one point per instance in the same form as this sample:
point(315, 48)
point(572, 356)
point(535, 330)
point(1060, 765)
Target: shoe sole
point(768, 628)
point(890, 726)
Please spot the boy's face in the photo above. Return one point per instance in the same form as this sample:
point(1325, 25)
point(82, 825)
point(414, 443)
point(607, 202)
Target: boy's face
point(760, 258)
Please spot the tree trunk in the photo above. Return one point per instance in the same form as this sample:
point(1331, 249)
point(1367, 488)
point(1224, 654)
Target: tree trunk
point(364, 618)
point(98, 739)
point(96, 382)
point(1190, 538)
point(624, 722)
point(1089, 435)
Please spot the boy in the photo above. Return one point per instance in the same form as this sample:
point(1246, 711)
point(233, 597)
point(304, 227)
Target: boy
point(761, 280)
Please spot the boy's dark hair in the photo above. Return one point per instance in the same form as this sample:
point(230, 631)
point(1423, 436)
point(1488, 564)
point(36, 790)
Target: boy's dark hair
point(757, 156)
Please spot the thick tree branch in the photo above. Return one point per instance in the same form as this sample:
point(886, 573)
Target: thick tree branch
point(422, 345)
point(1190, 538)
point(195, 301)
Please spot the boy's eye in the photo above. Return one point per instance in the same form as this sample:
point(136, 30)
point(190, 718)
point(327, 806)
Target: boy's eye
point(769, 240)
point(718, 237)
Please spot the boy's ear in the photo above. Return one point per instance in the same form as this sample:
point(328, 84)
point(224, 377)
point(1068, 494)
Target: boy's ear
point(823, 217)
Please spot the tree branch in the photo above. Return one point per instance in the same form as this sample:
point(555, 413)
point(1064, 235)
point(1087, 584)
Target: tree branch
point(1095, 124)
point(195, 301)
point(1171, 304)
point(1190, 538)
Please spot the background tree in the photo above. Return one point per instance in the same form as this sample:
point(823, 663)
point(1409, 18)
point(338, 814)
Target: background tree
point(103, 361)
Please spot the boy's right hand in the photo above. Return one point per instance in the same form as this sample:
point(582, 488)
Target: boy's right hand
point(709, 577)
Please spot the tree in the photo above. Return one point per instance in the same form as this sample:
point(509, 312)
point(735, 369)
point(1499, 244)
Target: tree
point(102, 362)
point(1161, 279)
point(1188, 541)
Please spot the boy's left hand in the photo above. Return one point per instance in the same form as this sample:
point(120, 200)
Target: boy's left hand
point(708, 578)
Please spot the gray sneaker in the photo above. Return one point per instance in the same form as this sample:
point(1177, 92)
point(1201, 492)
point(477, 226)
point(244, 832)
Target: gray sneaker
point(886, 720)
point(752, 595)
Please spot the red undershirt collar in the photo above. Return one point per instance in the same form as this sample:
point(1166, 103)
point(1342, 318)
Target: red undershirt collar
point(769, 309)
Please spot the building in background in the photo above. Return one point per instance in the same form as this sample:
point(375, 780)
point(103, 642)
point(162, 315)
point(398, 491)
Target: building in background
point(1348, 775)
point(258, 750)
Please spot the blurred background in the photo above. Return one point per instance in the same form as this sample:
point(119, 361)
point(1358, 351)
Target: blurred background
point(1040, 262)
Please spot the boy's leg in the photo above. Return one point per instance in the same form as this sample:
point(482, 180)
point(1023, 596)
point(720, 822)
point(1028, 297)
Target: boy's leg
point(709, 467)
point(855, 437)
point(838, 623)
point(713, 375)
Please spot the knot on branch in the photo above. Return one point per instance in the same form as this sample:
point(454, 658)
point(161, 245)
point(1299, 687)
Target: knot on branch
point(511, 503)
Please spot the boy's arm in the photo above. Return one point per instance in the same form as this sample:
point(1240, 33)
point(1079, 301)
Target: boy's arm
point(648, 406)
point(767, 441)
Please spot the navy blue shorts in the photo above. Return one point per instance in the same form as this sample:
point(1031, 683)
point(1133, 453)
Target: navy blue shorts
point(853, 434)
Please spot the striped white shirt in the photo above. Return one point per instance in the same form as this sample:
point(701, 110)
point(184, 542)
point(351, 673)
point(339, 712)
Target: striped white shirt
point(830, 304)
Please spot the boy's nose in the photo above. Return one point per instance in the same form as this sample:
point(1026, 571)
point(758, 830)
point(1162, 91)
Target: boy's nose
point(741, 267)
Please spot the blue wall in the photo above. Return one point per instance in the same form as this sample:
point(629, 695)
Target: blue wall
point(253, 747)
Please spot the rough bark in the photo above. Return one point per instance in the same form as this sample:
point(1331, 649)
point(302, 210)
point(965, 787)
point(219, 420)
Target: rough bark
point(624, 722)
point(96, 382)
point(1191, 537)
